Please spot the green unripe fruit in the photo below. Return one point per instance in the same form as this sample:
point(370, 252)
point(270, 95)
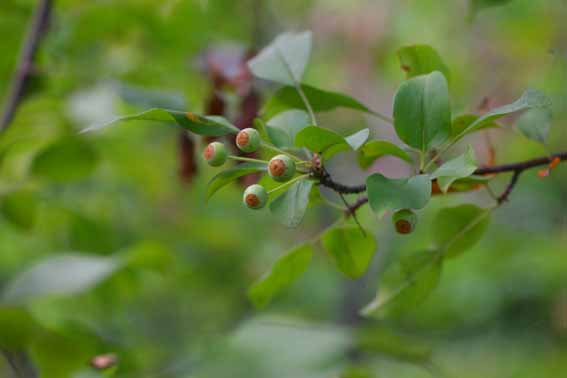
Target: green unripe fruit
point(215, 154)
point(281, 168)
point(404, 221)
point(248, 140)
point(255, 197)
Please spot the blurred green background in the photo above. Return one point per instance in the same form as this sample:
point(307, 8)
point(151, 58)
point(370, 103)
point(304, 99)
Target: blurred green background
point(177, 307)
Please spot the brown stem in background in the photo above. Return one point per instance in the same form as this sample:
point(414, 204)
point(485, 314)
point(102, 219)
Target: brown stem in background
point(25, 69)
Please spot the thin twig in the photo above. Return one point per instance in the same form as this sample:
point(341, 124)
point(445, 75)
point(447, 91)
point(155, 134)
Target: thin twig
point(350, 213)
point(513, 181)
point(327, 181)
point(24, 68)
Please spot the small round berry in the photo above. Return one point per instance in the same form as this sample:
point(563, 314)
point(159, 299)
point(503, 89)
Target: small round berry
point(255, 197)
point(404, 221)
point(248, 140)
point(281, 168)
point(215, 154)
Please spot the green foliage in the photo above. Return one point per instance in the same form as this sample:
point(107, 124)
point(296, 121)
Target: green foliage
point(462, 122)
point(351, 248)
point(328, 143)
point(168, 278)
point(536, 123)
point(394, 194)
point(282, 274)
point(284, 61)
point(65, 160)
point(420, 273)
point(20, 208)
point(419, 60)
point(457, 168)
point(375, 149)
point(287, 98)
point(422, 112)
point(202, 125)
point(227, 176)
point(530, 99)
point(61, 275)
point(459, 228)
point(290, 207)
point(284, 127)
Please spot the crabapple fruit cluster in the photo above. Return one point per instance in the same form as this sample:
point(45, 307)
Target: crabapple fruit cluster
point(281, 168)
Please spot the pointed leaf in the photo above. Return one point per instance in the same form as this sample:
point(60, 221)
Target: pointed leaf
point(283, 273)
point(459, 228)
point(420, 275)
point(283, 128)
point(226, 177)
point(535, 124)
point(422, 113)
point(60, 275)
point(68, 159)
point(529, 100)
point(327, 142)
point(460, 123)
point(287, 98)
point(284, 60)
point(375, 149)
point(393, 194)
point(351, 250)
point(457, 168)
point(202, 125)
point(421, 60)
point(357, 139)
point(290, 207)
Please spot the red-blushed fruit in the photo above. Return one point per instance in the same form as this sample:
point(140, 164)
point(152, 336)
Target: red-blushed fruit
point(215, 154)
point(281, 168)
point(255, 197)
point(248, 140)
point(404, 221)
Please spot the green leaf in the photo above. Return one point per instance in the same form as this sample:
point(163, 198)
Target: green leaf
point(357, 139)
point(375, 149)
point(421, 60)
point(67, 159)
point(17, 328)
point(283, 128)
point(457, 168)
point(422, 112)
point(529, 100)
point(477, 5)
point(420, 275)
point(290, 207)
point(351, 249)
point(456, 229)
point(283, 273)
point(226, 177)
point(327, 142)
point(202, 125)
point(535, 124)
point(381, 340)
point(20, 208)
point(394, 194)
point(287, 98)
point(462, 122)
point(284, 60)
point(60, 275)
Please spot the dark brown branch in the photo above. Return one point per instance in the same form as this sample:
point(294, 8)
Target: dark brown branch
point(352, 209)
point(521, 166)
point(24, 68)
point(513, 181)
point(326, 180)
